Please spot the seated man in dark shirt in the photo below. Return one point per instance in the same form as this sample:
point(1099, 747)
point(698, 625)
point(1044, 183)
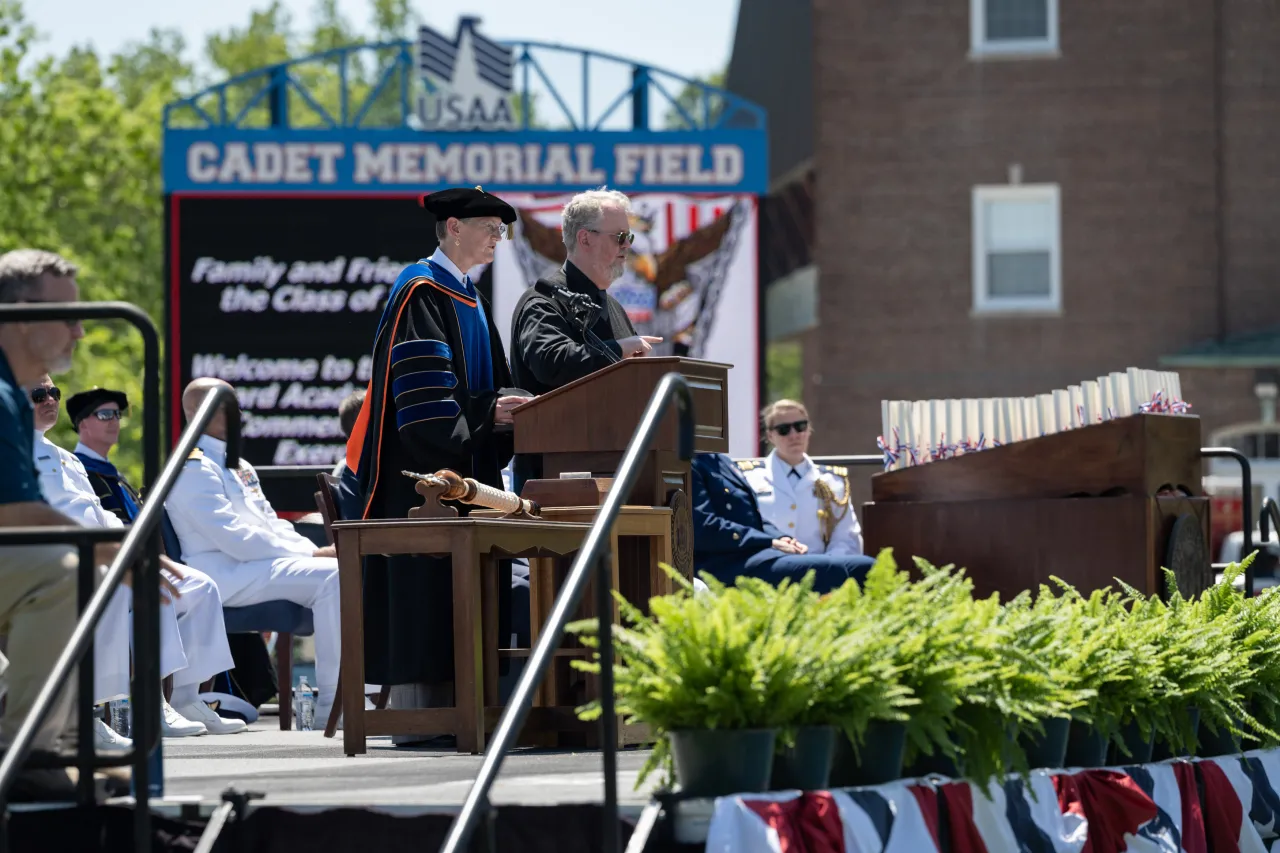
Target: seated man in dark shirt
point(38, 608)
point(567, 325)
point(731, 539)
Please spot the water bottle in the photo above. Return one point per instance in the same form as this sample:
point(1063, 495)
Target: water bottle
point(121, 718)
point(304, 706)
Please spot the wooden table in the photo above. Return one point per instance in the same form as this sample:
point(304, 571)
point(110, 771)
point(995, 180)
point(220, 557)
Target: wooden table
point(475, 545)
point(638, 542)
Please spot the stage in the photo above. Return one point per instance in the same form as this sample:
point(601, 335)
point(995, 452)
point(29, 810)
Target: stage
point(306, 769)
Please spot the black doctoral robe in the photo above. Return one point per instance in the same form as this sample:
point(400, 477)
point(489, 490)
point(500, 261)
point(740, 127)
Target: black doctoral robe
point(421, 414)
point(549, 348)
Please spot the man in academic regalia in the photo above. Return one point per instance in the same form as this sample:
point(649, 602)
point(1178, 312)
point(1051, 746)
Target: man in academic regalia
point(437, 399)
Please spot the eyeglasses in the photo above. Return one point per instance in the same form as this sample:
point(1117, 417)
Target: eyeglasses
point(499, 230)
point(785, 429)
point(39, 395)
point(624, 238)
point(109, 415)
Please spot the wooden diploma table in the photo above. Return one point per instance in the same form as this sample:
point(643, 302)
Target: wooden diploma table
point(1118, 499)
point(475, 545)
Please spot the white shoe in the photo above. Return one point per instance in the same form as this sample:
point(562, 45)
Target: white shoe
point(199, 712)
point(107, 741)
point(173, 724)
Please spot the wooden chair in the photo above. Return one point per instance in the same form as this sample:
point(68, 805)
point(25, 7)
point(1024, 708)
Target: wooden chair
point(327, 503)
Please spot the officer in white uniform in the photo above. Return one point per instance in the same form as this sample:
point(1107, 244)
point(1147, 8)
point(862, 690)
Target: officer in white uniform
point(806, 501)
point(229, 531)
point(193, 640)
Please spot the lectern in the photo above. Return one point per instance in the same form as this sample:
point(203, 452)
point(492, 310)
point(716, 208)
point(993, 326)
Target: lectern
point(585, 426)
point(1119, 499)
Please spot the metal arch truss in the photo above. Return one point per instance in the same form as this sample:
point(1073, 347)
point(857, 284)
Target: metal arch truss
point(374, 83)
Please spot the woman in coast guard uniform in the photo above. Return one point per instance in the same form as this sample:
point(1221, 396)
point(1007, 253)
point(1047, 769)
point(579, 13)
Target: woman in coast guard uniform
point(802, 499)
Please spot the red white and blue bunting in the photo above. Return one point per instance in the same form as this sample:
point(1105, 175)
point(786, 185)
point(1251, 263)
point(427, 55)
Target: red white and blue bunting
point(1223, 805)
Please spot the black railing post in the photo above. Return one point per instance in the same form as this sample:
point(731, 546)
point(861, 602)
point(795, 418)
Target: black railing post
point(584, 565)
point(1246, 503)
point(86, 585)
point(611, 841)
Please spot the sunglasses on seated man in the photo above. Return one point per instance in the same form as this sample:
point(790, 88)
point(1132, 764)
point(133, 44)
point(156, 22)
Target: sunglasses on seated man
point(39, 395)
point(109, 415)
point(785, 429)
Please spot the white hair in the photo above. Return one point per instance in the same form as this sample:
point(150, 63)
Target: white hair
point(584, 210)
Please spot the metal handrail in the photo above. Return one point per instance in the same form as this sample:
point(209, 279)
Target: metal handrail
point(1269, 511)
point(594, 551)
point(141, 541)
point(1246, 499)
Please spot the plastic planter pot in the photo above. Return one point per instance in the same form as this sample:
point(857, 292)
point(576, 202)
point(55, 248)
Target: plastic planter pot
point(807, 765)
point(879, 759)
point(1086, 747)
point(719, 762)
point(1163, 751)
point(1048, 749)
point(1139, 747)
point(1222, 742)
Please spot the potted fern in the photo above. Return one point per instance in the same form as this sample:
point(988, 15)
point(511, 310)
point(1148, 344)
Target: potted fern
point(1100, 656)
point(713, 676)
point(1045, 638)
point(853, 686)
point(1252, 626)
point(917, 632)
point(1205, 676)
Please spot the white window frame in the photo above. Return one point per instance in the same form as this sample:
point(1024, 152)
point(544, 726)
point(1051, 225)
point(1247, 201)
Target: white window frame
point(979, 46)
point(983, 302)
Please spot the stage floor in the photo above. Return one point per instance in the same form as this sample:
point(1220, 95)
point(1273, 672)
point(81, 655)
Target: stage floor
point(306, 769)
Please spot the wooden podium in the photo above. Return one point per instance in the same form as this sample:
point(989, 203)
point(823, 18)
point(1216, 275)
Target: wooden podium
point(1118, 499)
point(585, 426)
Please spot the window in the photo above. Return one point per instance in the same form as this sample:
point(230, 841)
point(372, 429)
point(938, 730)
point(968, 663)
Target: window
point(1017, 257)
point(1014, 26)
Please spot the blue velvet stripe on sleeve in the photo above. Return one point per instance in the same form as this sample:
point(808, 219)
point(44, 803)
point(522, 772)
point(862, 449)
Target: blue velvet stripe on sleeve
point(444, 380)
point(426, 412)
point(420, 349)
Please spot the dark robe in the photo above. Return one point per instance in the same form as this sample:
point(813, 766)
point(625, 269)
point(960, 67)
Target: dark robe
point(549, 347)
point(122, 500)
point(430, 406)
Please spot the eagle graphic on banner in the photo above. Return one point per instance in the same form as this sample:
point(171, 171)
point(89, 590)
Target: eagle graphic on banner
point(671, 292)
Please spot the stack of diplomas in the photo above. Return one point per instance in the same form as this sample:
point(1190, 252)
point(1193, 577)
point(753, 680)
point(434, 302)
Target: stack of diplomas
point(915, 432)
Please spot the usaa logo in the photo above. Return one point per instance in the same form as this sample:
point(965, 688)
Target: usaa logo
point(467, 80)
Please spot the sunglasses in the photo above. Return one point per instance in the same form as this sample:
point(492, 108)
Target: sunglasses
point(785, 429)
point(624, 238)
point(39, 395)
point(109, 415)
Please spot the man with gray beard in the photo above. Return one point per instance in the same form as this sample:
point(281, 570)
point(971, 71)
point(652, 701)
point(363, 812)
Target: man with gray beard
point(567, 326)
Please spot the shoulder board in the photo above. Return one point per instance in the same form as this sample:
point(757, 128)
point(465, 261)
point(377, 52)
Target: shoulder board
point(749, 464)
point(838, 470)
point(195, 454)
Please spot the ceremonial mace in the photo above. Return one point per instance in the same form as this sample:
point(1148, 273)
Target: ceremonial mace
point(446, 485)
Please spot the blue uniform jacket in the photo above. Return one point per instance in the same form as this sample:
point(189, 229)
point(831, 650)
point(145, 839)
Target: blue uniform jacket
point(727, 525)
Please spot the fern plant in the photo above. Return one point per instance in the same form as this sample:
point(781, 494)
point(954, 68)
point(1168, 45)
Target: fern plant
point(1200, 668)
point(746, 656)
point(1252, 627)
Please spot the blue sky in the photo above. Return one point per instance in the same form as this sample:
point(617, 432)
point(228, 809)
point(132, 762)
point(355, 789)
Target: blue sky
point(688, 37)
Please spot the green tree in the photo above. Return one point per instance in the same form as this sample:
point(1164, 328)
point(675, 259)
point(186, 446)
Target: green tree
point(80, 152)
point(698, 102)
point(80, 155)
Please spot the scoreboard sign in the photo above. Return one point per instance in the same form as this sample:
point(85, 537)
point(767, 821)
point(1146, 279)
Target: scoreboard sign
point(280, 296)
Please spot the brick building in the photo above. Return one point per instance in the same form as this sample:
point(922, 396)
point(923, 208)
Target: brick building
point(1014, 195)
